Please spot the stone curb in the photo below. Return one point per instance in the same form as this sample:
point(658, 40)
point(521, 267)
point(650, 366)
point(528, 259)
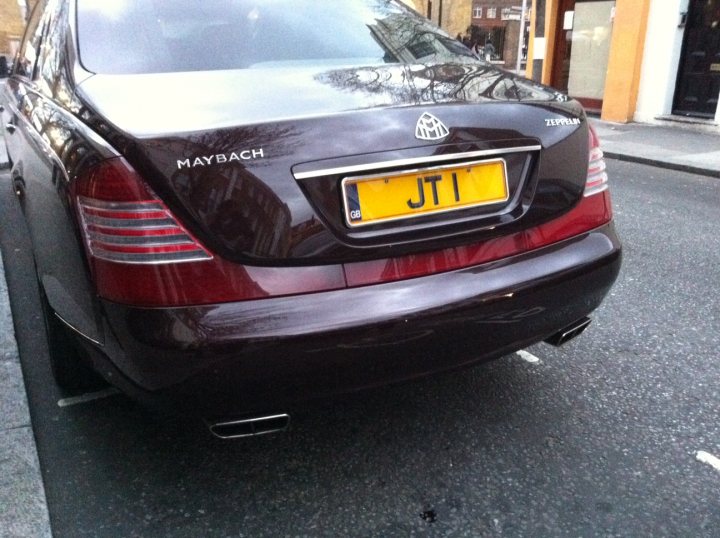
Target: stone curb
point(23, 505)
point(662, 164)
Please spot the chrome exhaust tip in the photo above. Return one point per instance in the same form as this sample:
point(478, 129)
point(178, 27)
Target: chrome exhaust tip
point(250, 426)
point(568, 333)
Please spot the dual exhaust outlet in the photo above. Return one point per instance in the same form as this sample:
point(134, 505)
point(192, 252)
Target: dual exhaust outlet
point(250, 427)
point(264, 424)
point(568, 333)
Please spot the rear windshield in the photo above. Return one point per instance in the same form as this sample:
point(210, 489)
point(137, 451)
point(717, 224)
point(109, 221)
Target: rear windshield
point(156, 36)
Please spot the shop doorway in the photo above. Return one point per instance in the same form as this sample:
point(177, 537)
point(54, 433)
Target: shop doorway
point(698, 82)
point(582, 49)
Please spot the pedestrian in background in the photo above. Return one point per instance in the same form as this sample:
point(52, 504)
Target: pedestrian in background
point(488, 50)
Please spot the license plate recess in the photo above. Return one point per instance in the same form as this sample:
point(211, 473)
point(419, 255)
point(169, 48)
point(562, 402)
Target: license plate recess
point(409, 194)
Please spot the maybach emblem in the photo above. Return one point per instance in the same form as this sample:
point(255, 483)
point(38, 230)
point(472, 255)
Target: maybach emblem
point(221, 158)
point(430, 128)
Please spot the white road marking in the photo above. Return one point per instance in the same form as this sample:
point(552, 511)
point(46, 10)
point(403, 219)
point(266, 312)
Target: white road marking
point(89, 397)
point(527, 357)
point(708, 458)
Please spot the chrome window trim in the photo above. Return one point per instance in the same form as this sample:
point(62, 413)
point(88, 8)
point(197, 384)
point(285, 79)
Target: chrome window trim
point(402, 163)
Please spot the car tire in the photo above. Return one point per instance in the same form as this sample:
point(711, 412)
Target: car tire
point(66, 358)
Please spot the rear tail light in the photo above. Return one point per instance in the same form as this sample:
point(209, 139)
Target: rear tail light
point(597, 177)
point(140, 254)
point(138, 231)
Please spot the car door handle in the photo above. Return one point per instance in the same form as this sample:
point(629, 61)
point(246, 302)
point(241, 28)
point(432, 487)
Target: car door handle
point(10, 128)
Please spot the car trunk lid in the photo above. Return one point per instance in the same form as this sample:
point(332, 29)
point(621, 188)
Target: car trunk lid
point(254, 162)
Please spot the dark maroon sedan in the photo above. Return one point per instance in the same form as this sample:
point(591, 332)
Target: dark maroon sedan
point(239, 205)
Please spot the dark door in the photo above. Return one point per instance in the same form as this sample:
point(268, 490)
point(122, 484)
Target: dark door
point(562, 47)
point(698, 83)
point(582, 49)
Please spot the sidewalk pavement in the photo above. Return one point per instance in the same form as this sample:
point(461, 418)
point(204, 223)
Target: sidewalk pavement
point(23, 508)
point(676, 148)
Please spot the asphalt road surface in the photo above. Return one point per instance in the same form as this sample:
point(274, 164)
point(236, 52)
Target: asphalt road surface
point(611, 435)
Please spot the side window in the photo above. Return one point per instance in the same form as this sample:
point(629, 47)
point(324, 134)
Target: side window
point(31, 43)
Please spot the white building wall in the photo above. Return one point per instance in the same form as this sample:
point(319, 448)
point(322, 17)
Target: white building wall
point(661, 58)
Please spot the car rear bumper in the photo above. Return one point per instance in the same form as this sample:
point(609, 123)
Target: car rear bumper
point(265, 354)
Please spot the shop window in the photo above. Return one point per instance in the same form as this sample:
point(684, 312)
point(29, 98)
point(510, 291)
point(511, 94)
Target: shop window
point(508, 14)
point(490, 42)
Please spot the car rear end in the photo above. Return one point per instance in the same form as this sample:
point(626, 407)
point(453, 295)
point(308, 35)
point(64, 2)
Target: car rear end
point(294, 227)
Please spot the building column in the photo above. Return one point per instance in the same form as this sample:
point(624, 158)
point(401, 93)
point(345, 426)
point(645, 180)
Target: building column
point(550, 27)
point(538, 45)
point(625, 62)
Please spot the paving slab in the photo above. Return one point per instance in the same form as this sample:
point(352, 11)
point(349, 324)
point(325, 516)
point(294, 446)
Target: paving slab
point(674, 148)
point(23, 506)
point(23, 511)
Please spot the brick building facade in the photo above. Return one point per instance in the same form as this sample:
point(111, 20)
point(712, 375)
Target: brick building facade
point(498, 21)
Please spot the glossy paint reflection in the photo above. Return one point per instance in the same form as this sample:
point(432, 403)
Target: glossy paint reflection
point(591, 213)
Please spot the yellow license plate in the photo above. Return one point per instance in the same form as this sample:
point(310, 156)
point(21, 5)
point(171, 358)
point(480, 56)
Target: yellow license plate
point(404, 195)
